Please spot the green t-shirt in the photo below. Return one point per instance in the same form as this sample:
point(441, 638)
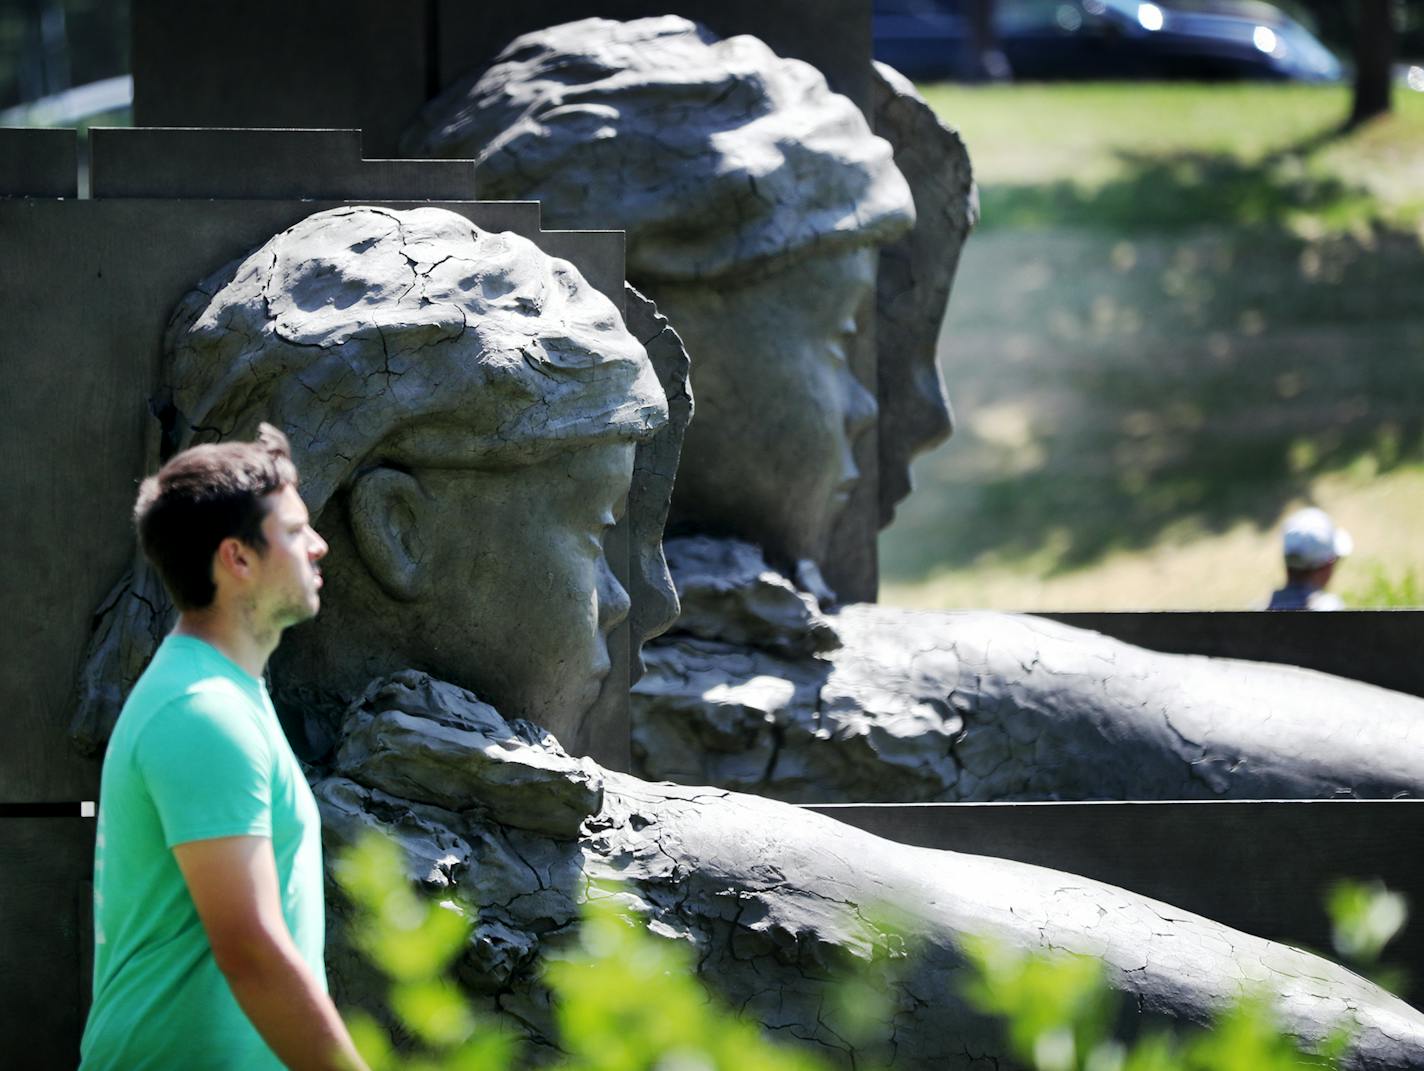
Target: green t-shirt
point(197, 753)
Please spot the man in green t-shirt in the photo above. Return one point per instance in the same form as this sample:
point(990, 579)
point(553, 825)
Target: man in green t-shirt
point(208, 906)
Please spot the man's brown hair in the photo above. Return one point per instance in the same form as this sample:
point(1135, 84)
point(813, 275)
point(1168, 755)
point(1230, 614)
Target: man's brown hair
point(202, 496)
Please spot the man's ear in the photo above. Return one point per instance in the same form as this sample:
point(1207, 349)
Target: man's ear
point(389, 515)
point(233, 557)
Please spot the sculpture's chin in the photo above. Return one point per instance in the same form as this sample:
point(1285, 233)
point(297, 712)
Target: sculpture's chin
point(565, 712)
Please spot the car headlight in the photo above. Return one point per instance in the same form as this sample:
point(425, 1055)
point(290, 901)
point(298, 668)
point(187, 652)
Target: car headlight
point(1266, 39)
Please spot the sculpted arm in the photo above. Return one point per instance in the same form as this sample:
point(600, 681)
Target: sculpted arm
point(233, 882)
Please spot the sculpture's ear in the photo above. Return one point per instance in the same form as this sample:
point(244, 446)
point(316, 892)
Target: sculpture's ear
point(389, 514)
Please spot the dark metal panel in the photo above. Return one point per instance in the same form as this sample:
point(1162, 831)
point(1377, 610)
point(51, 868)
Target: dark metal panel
point(1260, 867)
point(46, 954)
point(273, 63)
point(1375, 646)
point(243, 163)
point(38, 163)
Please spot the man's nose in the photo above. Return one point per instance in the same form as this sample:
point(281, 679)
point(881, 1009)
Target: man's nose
point(319, 547)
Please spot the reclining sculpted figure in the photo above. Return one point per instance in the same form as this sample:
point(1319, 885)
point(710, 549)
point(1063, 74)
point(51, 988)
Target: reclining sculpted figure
point(754, 199)
point(463, 409)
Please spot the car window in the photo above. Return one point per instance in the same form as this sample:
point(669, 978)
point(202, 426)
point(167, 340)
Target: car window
point(1020, 16)
point(916, 7)
point(1254, 10)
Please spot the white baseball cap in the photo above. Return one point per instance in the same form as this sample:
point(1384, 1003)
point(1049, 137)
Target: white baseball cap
point(1312, 540)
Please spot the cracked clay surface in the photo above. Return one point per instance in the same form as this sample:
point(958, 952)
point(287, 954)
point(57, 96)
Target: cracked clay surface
point(756, 689)
point(497, 822)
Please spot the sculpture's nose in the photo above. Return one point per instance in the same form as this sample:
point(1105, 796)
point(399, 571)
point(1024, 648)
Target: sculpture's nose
point(613, 601)
point(658, 605)
point(862, 410)
point(932, 419)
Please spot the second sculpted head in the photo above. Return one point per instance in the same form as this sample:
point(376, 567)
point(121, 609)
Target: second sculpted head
point(754, 199)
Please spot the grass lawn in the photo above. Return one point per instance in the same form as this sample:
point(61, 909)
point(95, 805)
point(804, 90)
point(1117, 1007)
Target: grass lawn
point(1188, 310)
point(1179, 155)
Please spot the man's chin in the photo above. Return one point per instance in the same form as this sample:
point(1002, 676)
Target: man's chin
point(297, 614)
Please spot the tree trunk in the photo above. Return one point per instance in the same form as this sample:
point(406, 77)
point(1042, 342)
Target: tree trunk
point(1374, 60)
point(987, 63)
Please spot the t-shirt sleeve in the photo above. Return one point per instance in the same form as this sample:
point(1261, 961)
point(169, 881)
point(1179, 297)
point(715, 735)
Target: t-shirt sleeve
point(208, 769)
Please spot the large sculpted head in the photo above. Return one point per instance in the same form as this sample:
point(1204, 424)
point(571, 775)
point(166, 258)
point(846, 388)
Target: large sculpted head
point(463, 409)
point(754, 200)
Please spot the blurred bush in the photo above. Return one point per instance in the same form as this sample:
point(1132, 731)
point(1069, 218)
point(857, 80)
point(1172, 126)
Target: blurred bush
point(628, 1001)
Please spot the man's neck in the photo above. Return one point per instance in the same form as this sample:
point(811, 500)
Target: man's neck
point(230, 634)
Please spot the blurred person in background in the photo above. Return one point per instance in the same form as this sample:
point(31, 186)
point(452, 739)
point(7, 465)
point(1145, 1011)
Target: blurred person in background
point(1313, 545)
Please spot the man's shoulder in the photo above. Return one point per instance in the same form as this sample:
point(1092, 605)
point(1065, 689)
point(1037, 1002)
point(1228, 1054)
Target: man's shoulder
point(169, 699)
point(187, 706)
point(187, 674)
point(207, 698)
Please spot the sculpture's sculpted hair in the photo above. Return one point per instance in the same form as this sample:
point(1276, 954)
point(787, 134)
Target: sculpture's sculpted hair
point(409, 338)
point(204, 495)
point(409, 334)
point(716, 156)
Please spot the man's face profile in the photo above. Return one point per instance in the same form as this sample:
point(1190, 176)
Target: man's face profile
point(286, 582)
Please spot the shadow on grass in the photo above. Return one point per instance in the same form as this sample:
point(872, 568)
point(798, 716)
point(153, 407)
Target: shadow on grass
point(1189, 189)
point(1064, 520)
point(1166, 379)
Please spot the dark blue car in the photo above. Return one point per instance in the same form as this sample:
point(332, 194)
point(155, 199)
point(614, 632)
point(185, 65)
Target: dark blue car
point(1064, 39)
point(924, 40)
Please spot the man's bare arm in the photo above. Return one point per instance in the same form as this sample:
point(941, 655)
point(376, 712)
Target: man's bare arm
point(233, 882)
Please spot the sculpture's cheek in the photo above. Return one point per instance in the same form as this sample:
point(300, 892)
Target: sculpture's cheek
point(764, 456)
point(768, 454)
point(520, 608)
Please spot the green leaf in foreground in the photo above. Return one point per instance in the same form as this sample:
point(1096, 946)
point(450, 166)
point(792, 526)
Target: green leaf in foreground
point(412, 939)
point(627, 1001)
point(1056, 1008)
